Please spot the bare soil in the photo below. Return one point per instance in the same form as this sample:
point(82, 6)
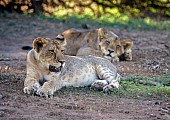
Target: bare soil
point(151, 57)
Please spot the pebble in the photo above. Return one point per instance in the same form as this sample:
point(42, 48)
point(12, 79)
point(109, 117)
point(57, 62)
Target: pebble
point(7, 68)
point(1, 96)
point(2, 113)
point(152, 115)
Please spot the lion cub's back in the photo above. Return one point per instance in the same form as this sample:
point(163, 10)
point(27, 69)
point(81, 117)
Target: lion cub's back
point(81, 71)
point(101, 61)
point(77, 72)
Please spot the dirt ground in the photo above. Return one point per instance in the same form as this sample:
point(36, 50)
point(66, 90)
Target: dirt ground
point(151, 57)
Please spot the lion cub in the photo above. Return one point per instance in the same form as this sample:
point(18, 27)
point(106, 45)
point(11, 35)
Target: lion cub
point(98, 42)
point(49, 70)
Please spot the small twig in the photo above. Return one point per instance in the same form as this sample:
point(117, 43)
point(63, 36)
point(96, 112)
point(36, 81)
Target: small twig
point(167, 84)
point(165, 110)
point(150, 82)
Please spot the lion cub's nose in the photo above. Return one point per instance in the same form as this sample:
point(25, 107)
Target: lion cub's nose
point(110, 51)
point(62, 61)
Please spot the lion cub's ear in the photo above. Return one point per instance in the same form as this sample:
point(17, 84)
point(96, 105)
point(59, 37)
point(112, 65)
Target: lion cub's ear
point(127, 44)
point(105, 33)
point(72, 33)
point(61, 39)
point(102, 33)
point(38, 43)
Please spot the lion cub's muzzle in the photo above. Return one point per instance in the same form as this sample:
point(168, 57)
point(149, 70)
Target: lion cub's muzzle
point(53, 68)
point(110, 53)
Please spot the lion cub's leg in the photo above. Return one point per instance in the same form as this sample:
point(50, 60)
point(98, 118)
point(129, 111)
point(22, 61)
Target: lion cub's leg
point(128, 55)
point(127, 45)
point(108, 79)
point(31, 85)
point(49, 87)
point(115, 60)
point(114, 84)
point(47, 90)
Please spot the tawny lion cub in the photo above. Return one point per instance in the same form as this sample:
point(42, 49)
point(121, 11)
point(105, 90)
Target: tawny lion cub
point(98, 42)
point(49, 70)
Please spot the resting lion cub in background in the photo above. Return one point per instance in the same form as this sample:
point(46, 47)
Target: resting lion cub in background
point(99, 42)
point(49, 70)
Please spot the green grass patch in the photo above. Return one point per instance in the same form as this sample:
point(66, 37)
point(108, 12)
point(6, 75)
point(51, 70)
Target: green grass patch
point(121, 22)
point(133, 87)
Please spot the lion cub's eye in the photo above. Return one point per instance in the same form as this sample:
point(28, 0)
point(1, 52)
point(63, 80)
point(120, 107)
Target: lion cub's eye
point(101, 37)
point(107, 42)
point(51, 51)
point(62, 51)
point(118, 46)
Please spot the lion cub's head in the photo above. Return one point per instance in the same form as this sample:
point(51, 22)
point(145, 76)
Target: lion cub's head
point(49, 53)
point(107, 41)
point(118, 49)
point(113, 47)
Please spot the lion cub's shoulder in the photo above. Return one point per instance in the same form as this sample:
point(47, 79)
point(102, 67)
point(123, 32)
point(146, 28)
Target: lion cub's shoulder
point(74, 62)
point(78, 34)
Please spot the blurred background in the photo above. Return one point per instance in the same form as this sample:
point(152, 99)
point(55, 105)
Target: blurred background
point(102, 11)
point(95, 8)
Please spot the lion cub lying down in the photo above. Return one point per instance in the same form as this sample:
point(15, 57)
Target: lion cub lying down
point(49, 70)
point(98, 42)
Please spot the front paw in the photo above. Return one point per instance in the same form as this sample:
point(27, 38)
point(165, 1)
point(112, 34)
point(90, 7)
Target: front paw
point(109, 88)
point(46, 90)
point(98, 86)
point(115, 60)
point(31, 89)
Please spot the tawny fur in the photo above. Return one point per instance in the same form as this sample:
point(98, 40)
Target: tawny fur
point(98, 42)
point(73, 71)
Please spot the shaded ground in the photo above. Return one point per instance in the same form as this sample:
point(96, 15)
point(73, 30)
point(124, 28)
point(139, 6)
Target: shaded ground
point(151, 53)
